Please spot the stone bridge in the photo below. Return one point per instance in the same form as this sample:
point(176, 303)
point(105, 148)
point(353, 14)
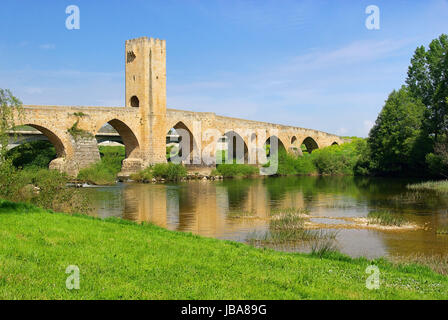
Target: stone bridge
point(144, 122)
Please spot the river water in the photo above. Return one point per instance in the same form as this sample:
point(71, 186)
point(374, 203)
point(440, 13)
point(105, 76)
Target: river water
point(236, 209)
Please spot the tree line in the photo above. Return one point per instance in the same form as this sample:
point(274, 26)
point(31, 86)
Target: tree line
point(410, 135)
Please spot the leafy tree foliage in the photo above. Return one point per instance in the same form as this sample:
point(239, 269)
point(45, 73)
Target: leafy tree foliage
point(428, 81)
point(410, 134)
point(395, 141)
point(37, 154)
point(438, 160)
point(9, 105)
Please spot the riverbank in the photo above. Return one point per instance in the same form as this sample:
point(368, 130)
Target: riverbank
point(124, 260)
point(438, 186)
point(332, 160)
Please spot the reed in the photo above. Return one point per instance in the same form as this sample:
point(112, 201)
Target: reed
point(385, 218)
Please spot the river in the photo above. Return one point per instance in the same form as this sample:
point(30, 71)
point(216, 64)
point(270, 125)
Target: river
point(236, 209)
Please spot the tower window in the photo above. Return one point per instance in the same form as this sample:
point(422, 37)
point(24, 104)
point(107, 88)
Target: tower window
point(130, 56)
point(135, 102)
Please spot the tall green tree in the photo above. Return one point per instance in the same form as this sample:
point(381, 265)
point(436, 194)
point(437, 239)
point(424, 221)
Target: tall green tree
point(10, 108)
point(428, 81)
point(395, 140)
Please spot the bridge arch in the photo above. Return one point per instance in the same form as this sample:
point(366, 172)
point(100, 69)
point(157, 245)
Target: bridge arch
point(129, 139)
point(310, 144)
point(234, 146)
point(59, 140)
point(184, 142)
point(335, 143)
point(294, 140)
point(107, 135)
point(295, 146)
point(55, 140)
point(20, 140)
point(280, 144)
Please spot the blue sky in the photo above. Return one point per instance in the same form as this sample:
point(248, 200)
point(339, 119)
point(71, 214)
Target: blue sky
point(312, 64)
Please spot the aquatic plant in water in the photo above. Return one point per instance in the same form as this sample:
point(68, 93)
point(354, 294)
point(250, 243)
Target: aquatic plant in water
point(385, 218)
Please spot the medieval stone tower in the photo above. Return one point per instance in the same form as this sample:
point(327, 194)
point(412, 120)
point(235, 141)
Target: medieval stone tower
point(146, 90)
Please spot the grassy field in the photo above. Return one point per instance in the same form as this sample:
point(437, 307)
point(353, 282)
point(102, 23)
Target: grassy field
point(124, 260)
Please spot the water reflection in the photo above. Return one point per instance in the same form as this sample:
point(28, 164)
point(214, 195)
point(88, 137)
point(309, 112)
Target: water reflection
point(233, 209)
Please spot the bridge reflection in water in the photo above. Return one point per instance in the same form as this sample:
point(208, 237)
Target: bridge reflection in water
point(236, 209)
point(199, 207)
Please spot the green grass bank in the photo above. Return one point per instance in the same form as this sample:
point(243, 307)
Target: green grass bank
point(124, 260)
point(438, 186)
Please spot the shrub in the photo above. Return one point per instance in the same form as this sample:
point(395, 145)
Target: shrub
point(332, 160)
point(236, 170)
point(337, 159)
point(42, 187)
point(112, 157)
point(286, 163)
point(9, 186)
point(169, 171)
point(305, 165)
point(143, 175)
point(105, 171)
point(78, 133)
point(98, 174)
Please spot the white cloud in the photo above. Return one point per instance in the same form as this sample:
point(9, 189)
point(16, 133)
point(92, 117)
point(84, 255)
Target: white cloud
point(47, 46)
point(359, 52)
